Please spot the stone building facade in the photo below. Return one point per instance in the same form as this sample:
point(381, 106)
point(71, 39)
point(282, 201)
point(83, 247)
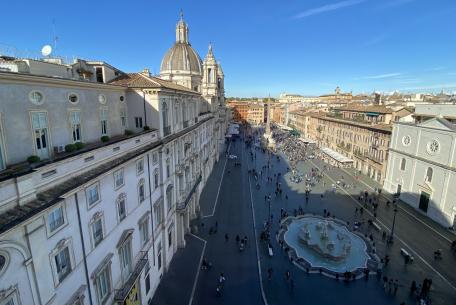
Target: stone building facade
point(365, 143)
point(100, 174)
point(422, 167)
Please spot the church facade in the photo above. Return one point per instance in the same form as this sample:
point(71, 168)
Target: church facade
point(101, 173)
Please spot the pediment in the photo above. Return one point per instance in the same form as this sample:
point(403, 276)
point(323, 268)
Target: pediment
point(438, 123)
point(425, 186)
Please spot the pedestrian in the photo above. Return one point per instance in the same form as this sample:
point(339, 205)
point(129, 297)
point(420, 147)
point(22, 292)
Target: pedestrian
point(269, 273)
point(226, 237)
point(287, 275)
point(237, 238)
point(413, 288)
point(222, 278)
point(396, 286)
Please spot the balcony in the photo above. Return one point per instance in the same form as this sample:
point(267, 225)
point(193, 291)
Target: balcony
point(183, 204)
point(167, 131)
point(121, 294)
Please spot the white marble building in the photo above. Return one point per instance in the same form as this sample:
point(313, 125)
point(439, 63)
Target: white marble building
point(422, 167)
point(99, 224)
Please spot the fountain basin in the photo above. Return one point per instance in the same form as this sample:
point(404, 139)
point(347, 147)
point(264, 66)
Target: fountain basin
point(326, 244)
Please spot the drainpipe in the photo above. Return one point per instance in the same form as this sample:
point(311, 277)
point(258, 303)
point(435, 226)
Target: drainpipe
point(151, 210)
point(83, 249)
point(145, 113)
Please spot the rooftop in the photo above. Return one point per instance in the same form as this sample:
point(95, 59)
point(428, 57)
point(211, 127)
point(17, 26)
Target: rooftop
point(140, 80)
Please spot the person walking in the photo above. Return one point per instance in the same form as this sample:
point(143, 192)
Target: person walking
point(226, 237)
point(270, 273)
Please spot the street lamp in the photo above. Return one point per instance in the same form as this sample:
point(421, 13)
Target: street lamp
point(390, 239)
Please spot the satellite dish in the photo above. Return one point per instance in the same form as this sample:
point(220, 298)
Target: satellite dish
point(46, 50)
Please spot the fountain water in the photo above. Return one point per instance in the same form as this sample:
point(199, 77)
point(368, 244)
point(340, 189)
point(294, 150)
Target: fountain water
point(326, 244)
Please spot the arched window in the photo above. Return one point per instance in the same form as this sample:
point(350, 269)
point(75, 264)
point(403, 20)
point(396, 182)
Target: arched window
point(141, 190)
point(169, 197)
point(429, 173)
point(156, 178)
point(403, 161)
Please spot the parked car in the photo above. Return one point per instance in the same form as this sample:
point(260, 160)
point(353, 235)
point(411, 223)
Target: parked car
point(232, 157)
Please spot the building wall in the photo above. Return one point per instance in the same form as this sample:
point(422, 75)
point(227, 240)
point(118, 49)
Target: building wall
point(16, 108)
point(366, 145)
point(30, 271)
point(412, 178)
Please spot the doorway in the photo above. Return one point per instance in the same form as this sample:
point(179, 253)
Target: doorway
point(424, 201)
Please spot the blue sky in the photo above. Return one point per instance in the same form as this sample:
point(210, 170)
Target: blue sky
point(265, 47)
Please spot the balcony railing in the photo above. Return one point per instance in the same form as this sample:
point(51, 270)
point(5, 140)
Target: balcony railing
point(183, 204)
point(167, 131)
point(121, 294)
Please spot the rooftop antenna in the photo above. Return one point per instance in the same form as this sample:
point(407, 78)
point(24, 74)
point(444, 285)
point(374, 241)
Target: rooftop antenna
point(54, 38)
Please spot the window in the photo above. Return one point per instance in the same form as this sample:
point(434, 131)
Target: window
point(55, 219)
point(168, 168)
point(155, 158)
point(97, 231)
point(147, 283)
point(118, 178)
point(158, 212)
point(403, 161)
point(93, 194)
point(159, 255)
point(104, 121)
point(141, 191)
point(144, 230)
point(103, 284)
point(165, 118)
point(123, 117)
point(140, 166)
point(122, 206)
point(62, 263)
point(429, 173)
point(73, 98)
point(138, 122)
point(125, 259)
point(169, 197)
point(75, 121)
point(40, 132)
point(156, 178)
point(170, 236)
point(99, 74)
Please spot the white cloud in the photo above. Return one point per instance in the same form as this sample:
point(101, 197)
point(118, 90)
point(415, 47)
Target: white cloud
point(327, 8)
point(383, 76)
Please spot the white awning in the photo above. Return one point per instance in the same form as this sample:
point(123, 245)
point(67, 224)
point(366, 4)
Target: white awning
point(307, 141)
point(336, 156)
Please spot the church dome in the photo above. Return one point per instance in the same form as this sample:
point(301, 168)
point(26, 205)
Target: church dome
point(181, 58)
